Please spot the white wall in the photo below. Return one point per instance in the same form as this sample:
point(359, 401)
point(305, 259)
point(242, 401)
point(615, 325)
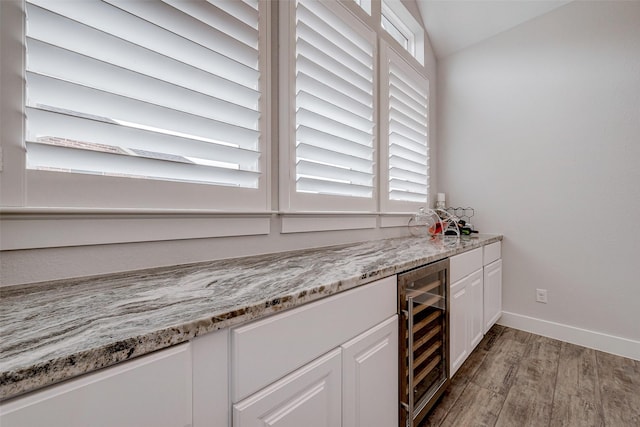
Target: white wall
point(539, 131)
point(35, 265)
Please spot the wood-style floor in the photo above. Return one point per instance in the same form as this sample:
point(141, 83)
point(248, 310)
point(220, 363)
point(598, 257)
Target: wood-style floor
point(516, 379)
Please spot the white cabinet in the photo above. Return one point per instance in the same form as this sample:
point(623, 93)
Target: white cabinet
point(152, 390)
point(310, 397)
point(466, 318)
point(492, 294)
point(330, 363)
point(475, 300)
point(370, 377)
point(268, 349)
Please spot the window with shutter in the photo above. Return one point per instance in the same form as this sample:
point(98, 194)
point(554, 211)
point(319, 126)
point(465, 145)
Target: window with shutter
point(333, 145)
point(157, 90)
point(405, 134)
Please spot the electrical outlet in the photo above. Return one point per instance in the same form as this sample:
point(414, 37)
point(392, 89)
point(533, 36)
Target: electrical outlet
point(541, 295)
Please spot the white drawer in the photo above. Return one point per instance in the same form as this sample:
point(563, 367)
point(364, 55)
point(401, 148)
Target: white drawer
point(492, 252)
point(268, 349)
point(464, 264)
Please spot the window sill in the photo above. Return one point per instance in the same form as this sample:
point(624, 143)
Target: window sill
point(33, 228)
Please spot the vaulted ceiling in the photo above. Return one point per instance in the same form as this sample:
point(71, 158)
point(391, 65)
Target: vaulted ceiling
point(453, 25)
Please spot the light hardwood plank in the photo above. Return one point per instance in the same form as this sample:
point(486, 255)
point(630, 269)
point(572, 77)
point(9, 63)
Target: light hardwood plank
point(525, 407)
point(539, 364)
point(499, 367)
point(530, 398)
point(619, 380)
point(477, 407)
point(576, 399)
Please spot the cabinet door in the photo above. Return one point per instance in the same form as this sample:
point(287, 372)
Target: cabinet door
point(458, 324)
point(370, 377)
point(309, 397)
point(153, 390)
point(476, 309)
point(492, 294)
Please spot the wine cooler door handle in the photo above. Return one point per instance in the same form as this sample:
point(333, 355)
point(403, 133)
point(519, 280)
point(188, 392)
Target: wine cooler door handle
point(410, 357)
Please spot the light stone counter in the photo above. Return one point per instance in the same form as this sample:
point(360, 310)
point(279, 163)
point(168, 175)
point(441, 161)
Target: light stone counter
point(53, 331)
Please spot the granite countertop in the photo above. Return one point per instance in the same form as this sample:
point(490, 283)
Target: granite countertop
point(53, 331)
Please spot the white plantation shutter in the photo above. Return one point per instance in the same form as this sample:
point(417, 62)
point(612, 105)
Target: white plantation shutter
point(407, 132)
point(334, 102)
point(165, 90)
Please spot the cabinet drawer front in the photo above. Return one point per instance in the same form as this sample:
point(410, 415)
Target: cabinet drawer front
point(492, 253)
point(308, 397)
point(153, 390)
point(464, 264)
point(270, 348)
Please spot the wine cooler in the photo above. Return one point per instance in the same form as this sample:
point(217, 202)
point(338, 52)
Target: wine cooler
point(424, 339)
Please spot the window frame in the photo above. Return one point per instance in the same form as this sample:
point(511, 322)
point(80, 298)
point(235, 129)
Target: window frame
point(47, 189)
point(398, 15)
point(388, 53)
point(290, 200)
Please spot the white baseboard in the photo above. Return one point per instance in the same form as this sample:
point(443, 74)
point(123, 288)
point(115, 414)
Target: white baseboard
point(591, 339)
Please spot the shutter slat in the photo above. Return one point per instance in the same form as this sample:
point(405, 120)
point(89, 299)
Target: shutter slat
point(318, 89)
point(317, 186)
point(416, 117)
point(310, 152)
point(400, 151)
point(327, 141)
point(399, 184)
point(406, 175)
point(402, 102)
point(328, 109)
point(398, 85)
point(307, 66)
point(326, 61)
point(404, 163)
point(317, 169)
point(408, 121)
point(340, 130)
point(52, 157)
point(398, 140)
point(406, 131)
point(407, 196)
point(44, 123)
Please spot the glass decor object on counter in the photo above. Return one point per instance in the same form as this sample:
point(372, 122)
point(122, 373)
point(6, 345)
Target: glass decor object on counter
point(463, 216)
point(433, 222)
